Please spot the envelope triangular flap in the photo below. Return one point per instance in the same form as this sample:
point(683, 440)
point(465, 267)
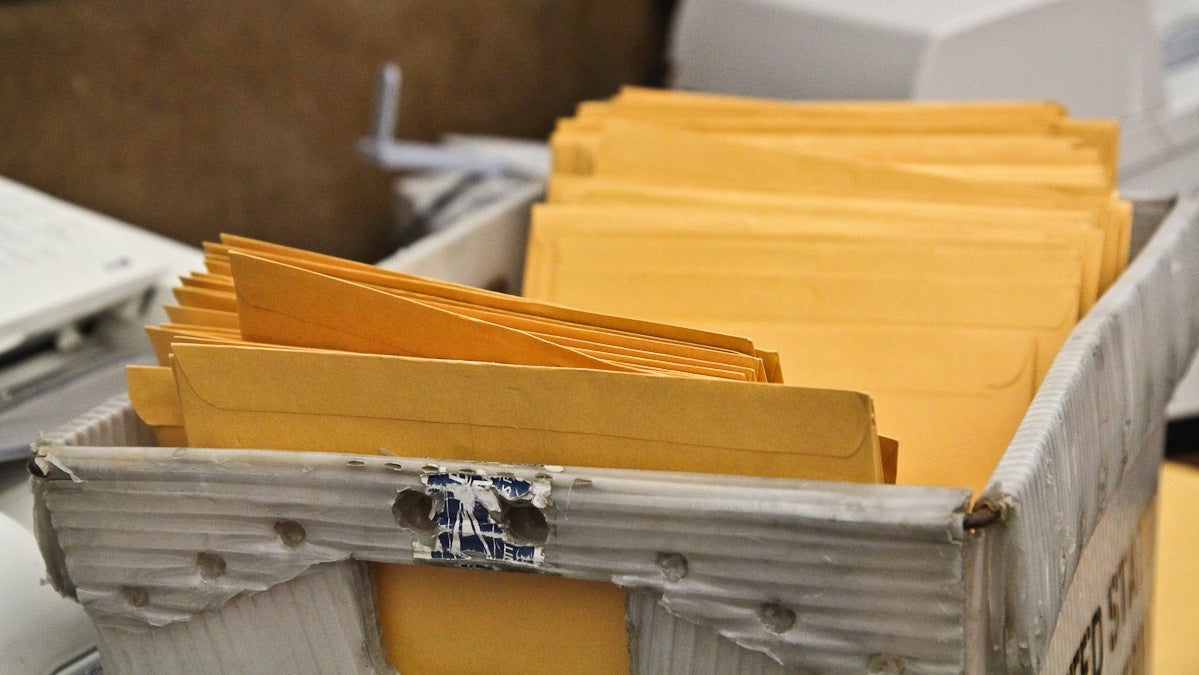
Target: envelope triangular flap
point(283, 304)
point(368, 274)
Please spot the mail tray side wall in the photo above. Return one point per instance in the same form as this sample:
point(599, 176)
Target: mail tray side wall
point(813, 574)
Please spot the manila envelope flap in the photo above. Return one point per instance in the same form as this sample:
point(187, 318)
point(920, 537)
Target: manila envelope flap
point(337, 401)
point(605, 343)
point(392, 279)
point(201, 317)
point(205, 298)
point(283, 304)
point(153, 395)
point(631, 150)
point(160, 337)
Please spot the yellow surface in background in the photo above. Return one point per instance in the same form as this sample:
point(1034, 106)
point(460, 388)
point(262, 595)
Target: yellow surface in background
point(1175, 610)
point(530, 623)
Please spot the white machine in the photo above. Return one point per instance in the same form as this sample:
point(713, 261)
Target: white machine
point(73, 287)
point(1133, 60)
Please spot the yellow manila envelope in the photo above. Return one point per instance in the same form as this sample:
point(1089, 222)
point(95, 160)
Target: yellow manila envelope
point(757, 236)
point(971, 349)
point(207, 280)
point(1021, 143)
point(630, 151)
point(950, 150)
point(1088, 221)
point(636, 150)
point(154, 398)
point(284, 304)
point(733, 259)
point(726, 114)
point(935, 255)
point(1008, 119)
point(393, 280)
point(769, 235)
point(1101, 134)
point(205, 298)
point(621, 262)
point(1047, 160)
point(163, 335)
point(338, 401)
point(951, 397)
point(1077, 225)
point(201, 317)
point(1044, 312)
point(576, 143)
point(611, 338)
point(342, 402)
point(1080, 176)
point(217, 262)
point(611, 341)
point(1019, 132)
point(287, 305)
point(152, 391)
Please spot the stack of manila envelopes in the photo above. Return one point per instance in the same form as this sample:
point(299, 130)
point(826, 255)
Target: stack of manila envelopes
point(934, 255)
point(274, 347)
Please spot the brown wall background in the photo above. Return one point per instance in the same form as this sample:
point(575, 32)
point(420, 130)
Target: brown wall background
point(193, 118)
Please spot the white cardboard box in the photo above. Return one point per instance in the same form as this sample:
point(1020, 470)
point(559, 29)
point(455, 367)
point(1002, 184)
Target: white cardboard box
point(201, 560)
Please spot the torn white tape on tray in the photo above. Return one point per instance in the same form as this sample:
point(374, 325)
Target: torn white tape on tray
point(477, 521)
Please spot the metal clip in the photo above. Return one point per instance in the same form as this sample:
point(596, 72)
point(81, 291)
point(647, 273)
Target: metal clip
point(386, 151)
point(984, 514)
